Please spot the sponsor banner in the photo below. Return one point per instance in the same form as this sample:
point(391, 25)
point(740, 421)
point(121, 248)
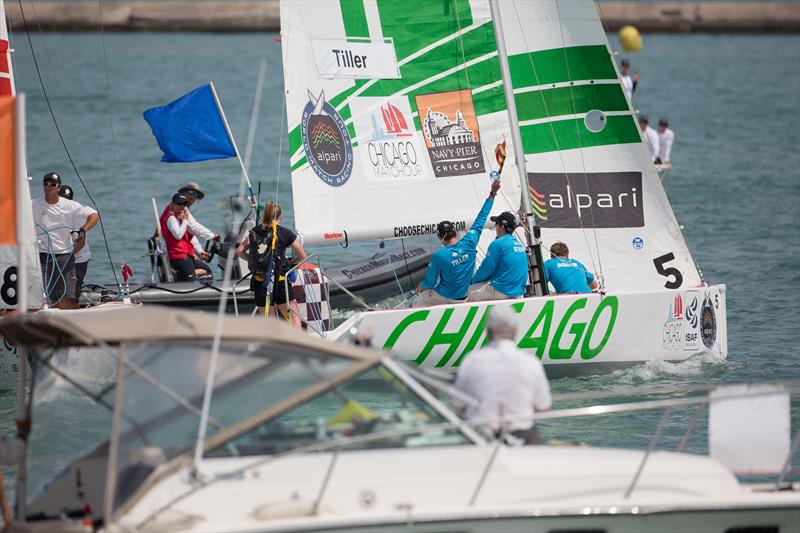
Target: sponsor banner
point(364, 60)
point(691, 325)
point(590, 200)
point(326, 141)
point(389, 147)
point(451, 133)
point(672, 332)
point(425, 229)
point(708, 319)
point(358, 270)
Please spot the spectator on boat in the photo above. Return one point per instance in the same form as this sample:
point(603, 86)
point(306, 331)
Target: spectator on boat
point(628, 83)
point(568, 276)
point(82, 256)
point(61, 227)
point(450, 270)
point(509, 384)
point(665, 139)
point(11, 451)
point(650, 137)
point(193, 193)
point(265, 248)
point(183, 257)
point(504, 271)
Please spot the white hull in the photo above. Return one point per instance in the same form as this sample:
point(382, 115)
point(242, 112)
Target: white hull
point(430, 489)
point(570, 333)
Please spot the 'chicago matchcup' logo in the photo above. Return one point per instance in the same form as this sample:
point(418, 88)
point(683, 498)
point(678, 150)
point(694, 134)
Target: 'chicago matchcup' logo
point(326, 141)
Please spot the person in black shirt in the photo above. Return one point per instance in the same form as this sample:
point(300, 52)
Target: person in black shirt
point(264, 249)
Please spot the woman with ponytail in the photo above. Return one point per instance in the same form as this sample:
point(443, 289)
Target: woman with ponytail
point(264, 249)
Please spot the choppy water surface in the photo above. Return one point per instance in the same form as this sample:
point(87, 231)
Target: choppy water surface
point(733, 101)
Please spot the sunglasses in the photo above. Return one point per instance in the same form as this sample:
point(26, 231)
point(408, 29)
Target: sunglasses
point(50, 184)
point(192, 193)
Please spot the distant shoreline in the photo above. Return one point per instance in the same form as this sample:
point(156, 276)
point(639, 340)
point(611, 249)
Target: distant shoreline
point(264, 15)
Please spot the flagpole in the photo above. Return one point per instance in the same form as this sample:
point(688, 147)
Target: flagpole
point(253, 202)
point(22, 286)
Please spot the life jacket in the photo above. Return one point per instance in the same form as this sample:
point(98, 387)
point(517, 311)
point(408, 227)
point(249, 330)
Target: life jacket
point(262, 247)
point(176, 248)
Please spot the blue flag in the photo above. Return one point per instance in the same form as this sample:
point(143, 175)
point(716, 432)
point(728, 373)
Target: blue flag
point(190, 128)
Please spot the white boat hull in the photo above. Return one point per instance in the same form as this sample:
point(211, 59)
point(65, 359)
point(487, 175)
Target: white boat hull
point(569, 333)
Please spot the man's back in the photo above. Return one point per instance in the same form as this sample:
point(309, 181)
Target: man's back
point(665, 140)
point(567, 275)
point(506, 265)
point(507, 382)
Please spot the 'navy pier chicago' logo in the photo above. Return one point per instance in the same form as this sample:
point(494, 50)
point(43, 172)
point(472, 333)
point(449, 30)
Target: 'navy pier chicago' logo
point(326, 141)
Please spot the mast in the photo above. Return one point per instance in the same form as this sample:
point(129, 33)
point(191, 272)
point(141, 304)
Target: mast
point(534, 244)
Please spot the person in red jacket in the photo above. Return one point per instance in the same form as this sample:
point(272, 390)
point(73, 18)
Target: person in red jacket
point(178, 238)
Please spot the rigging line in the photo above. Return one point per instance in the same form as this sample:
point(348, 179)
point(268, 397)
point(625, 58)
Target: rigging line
point(550, 123)
point(115, 167)
point(405, 260)
point(251, 134)
point(283, 104)
point(61, 138)
point(46, 50)
point(580, 148)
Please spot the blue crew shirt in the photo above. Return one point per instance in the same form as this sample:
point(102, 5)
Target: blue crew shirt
point(567, 275)
point(450, 269)
point(506, 265)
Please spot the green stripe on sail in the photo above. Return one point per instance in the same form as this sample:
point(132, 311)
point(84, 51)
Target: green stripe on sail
point(569, 101)
point(476, 43)
point(300, 162)
point(415, 24)
point(561, 64)
point(538, 138)
point(354, 18)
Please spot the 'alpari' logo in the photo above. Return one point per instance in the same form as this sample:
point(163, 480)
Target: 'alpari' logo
point(326, 141)
point(588, 200)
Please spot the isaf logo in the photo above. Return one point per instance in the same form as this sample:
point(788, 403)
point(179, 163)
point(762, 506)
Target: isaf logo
point(326, 141)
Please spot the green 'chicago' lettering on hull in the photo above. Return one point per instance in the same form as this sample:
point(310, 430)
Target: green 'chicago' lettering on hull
point(537, 337)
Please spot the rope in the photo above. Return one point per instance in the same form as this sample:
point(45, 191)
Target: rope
point(63, 142)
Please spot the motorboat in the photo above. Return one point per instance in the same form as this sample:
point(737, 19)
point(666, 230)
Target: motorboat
point(242, 425)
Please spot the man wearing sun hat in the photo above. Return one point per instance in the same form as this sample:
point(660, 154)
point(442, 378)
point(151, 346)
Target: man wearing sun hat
point(192, 192)
point(504, 271)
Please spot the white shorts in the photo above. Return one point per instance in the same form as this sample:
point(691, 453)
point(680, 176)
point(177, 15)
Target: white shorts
point(429, 297)
point(481, 292)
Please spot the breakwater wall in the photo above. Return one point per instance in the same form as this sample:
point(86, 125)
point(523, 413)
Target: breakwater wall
point(264, 15)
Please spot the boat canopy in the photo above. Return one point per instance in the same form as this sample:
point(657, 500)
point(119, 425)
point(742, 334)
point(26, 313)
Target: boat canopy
point(117, 325)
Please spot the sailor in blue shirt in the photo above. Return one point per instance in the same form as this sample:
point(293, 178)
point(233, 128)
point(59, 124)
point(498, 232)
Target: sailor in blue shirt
point(504, 271)
point(567, 275)
point(450, 270)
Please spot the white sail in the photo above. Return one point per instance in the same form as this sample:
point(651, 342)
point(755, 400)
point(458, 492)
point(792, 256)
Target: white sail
point(8, 254)
point(394, 111)
point(593, 183)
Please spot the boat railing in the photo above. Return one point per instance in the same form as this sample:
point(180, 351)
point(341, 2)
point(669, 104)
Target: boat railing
point(326, 301)
point(790, 387)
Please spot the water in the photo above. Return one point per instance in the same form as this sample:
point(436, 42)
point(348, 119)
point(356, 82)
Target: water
point(733, 101)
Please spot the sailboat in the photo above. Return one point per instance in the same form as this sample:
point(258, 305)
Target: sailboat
point(465, 77)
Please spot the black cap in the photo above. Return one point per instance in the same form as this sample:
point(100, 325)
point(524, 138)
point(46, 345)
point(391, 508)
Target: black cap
point(180, 199)
point(444, 228)
point(663, 121)
point(506, 219)
point(52, 176)
point(65, 192)
point(644, 118)
point(625, 63)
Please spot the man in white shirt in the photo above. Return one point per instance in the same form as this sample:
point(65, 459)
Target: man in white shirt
point(665, 139)
point(509, 384)
point(628, 83)
point(61, 227)
point(650, 136)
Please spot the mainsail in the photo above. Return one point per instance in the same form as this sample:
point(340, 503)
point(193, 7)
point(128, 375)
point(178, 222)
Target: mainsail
point(8, 253)
point(394, 110)
point(592, 181)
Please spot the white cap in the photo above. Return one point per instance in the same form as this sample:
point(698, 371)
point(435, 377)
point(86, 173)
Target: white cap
point(502, 319)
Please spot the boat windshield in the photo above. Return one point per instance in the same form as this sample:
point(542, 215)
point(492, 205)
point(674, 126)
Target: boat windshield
point(372, 404)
